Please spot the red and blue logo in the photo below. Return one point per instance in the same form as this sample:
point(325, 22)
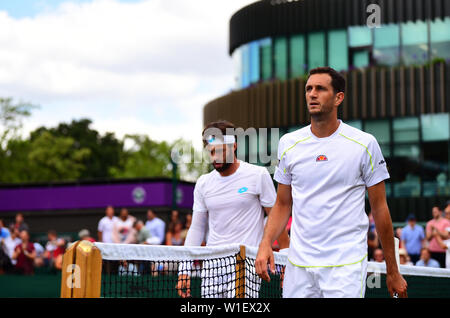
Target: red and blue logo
point(321, 158)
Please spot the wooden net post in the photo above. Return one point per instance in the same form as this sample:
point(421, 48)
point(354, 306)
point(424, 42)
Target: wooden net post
point(240, 273)
point(82, 271)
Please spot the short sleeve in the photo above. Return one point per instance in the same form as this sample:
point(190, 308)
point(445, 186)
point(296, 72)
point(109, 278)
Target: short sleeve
point(374, 168)
point(282, 173)
point(199, 201)
point(100, 226)
point(267, 195)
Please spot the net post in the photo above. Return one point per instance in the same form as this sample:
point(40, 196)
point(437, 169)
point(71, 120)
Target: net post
point(89, 263)
point(68, 271)
point(240, 273)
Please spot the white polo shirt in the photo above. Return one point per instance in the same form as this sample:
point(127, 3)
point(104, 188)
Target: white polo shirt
point(329, 177)
point(233, 205)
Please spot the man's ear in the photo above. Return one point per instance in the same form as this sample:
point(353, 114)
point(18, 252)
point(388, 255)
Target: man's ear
point(339, 98)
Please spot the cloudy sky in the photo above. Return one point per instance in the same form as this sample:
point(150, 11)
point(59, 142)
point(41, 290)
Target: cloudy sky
point(132, 66)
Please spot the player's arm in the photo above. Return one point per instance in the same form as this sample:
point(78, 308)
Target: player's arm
point(276, 224)
point(283, 239)
point(383, 224)
point(194, 237)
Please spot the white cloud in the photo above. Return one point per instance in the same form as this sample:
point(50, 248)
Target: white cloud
point(131, 67)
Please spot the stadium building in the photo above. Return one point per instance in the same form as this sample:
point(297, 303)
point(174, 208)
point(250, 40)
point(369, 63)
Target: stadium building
point(395, 56)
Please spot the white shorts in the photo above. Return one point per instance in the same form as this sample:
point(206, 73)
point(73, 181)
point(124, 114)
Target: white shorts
point(347, 281)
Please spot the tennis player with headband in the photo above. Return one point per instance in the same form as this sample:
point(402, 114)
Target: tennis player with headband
point(229, 204)
point(323, 172)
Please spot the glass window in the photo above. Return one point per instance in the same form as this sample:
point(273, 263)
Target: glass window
point(414, 42)
point(379, 129)
point(440, 38)
point(316, 50)
point(280, 57)
point(408, 150)
point(245, 54)
point(359, 36)
point(435, 127)
point(266, 58)
point(361, 59)
point(406, 129)
point(298, 58)
point(237, 65)
point(387, 45)
point(254, 61)
point(355, 123)
point(338, 50)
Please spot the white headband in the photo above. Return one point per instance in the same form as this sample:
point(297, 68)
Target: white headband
point(227, 139)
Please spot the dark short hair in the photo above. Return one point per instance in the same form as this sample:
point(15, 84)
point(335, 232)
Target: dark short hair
point(337, 80)
point(222, 125)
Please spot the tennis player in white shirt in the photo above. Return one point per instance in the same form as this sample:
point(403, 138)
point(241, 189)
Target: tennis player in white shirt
point(323, 172)
point(229, 203)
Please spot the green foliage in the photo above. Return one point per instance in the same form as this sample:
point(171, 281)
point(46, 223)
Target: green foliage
point(75, 151)
point(11, 116)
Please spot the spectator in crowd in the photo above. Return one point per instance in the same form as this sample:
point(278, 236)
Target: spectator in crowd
point(447, 212)
point(106, 226)
point(372, 242)
point(10, 243)
point(122, 231)
point(404, 257)
point(426, 260)
point(436, 233)
point(39, 259)
point(378, 255)
point(4, 232)
point(143, 235)
point(173, 236)
point(413, 238)
point(371, 222)
point(85, 235)
point(156, 226)
point(20, 223)
point(54, 250)
point(174, 216)
point(5, 259)
point(50, 247)
point(187, 225)
point(25, 254)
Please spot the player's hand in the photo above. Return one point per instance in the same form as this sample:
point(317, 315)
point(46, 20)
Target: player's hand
point(264, 257)
point(396, 285)
point(184, 286)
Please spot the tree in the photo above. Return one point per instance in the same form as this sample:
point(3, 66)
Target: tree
point(105, 151)
point(145, 158)
point(11, 116)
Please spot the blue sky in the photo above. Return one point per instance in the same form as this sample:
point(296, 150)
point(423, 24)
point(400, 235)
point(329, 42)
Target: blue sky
point(30, 8)
point(131, 66)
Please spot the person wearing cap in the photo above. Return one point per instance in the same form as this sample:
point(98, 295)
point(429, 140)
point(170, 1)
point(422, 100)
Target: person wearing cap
point(413, 238)
point(229, 204)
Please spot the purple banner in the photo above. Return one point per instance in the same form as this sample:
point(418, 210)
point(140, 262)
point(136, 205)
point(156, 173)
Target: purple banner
point(94, 196)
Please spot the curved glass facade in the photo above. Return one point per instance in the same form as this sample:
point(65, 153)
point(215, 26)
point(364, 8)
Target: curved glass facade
point(410, 43)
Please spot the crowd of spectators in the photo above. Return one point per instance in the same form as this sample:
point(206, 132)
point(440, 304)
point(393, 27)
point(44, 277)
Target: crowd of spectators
point(420, 246)
point(19, 255)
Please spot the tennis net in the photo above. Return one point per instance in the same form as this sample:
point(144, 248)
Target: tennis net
point(133, 270)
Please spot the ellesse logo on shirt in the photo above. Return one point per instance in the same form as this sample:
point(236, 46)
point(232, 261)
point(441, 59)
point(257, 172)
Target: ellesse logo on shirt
point(321, 158)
